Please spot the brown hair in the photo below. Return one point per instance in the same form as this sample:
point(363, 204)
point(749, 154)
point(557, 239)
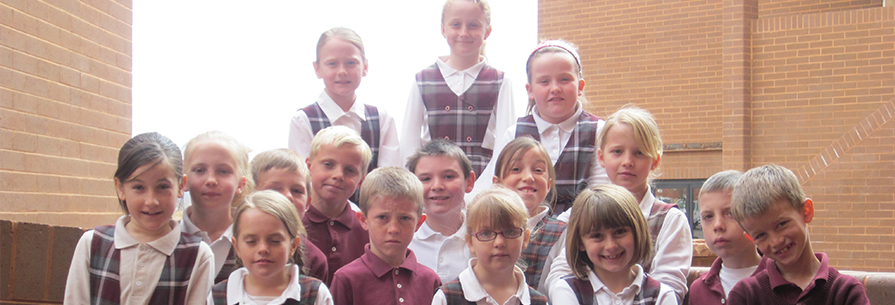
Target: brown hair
point(394, 182)
point(441, 147)
point(279, 158)
point(758, 189)
point(147, 148)
point(514, 150)
point(554, 46)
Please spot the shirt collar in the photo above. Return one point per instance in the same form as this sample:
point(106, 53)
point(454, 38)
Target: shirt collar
point(347, 216)
point(426, 232)
point(646, 204)
point(190, 228)
point(165, 244)
point(380, 268)
point(471, 71)
point(633, 289)
point(237, 278)
point(776, 278)
point(333, 111)
point(567, 126)
point(474, 292)
point(534, 220)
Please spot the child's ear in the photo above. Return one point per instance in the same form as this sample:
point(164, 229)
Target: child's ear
point(808, 210)
point(600, 155)
point(495, 180)
point(182, 187)
point(366, 67)
point(526, 240)
point(531, 95)
point(580, 87)
point(308, 163)
point(317, 69)
point(233, 241)
point(242, 185)
point(420, 222)
point(655, 164)
point(470, 183)
point(363, 220)
point(295, 242)
point(119, 188)
point(487, 32)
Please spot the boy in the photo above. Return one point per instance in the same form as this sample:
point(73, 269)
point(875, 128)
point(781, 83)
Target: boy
point(391, 205)
point(446, 175)
point(338, 163)
point(284, 171)
point(737, 257)
point(769, 204)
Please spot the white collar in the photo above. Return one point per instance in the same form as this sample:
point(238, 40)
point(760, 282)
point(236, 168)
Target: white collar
point(597, 284)
point(471, 71)
point(192, 229)
point(165, 244)
point(236, 288)
point(333, 111)
point(646, 204)
point(568, 125)
point(426, 232)
point(534, 220)
point(474, 292)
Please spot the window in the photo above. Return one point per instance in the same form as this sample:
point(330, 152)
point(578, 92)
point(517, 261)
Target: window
point(683, 193)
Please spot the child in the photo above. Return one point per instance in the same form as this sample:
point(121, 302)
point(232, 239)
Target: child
point(769, 204)
point(144, 258)
point(557, 119)
point(391, 202)
point(737, 257)
point(284, 171)
point(496, 220)
point(266, 235)
point(630, 151)
point(341, 64)
point(338, 163)
point(446, 175)
point(525, 167)
point(460, 98)
point(217, 166)
point(609, 237)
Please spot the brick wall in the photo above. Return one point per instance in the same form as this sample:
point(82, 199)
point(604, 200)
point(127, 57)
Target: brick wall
point(65, 108)
point(775, 8)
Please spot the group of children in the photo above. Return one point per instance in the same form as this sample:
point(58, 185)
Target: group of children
point(563, 209)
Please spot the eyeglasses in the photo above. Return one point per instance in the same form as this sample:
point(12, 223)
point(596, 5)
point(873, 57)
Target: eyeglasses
point(488, 235)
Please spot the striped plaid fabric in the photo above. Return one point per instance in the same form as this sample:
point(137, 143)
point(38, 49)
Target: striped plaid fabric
point(545, 234)
point(655, 220)
point(105, 287)
point(453, 292)
point(573, 165)
point(369, 130)
point(309, 286)
point(462, 119)
point(648, 294)
point(228, 267)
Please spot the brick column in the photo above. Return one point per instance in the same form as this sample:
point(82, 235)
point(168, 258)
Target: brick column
point(738, 16)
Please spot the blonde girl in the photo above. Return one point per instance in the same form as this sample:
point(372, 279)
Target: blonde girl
point(496, 220)
point(608, 239)
point(266, 234)
point(144, 258)
point(525, 167)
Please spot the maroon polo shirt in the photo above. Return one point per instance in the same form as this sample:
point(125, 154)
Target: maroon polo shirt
point(707, 288)
point(370, 280)
point(341, 239)
point(828, 287)
point(316, 262)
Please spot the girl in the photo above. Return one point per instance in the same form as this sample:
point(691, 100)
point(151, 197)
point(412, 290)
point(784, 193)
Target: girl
point(557, 119)
point(496, 222)
point(525, 167)
point(160, 264)
point(266, 235)
point(217, 166)
point(341, 64)
point(609, 237)
point(460, 96)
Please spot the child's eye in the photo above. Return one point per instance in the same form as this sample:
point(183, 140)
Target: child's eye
point(198, 170)
point(425, 179)
point(782, 223)
point(620, 231)
point(406, 218)
point(539, 170)
point(298, 191)
point(137, 187)
point(449, 177)
point(707, 216)
point(515, 169)
point(250, 242)
point(616, 151)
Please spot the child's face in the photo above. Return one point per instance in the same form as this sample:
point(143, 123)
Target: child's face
point(443, 184)
point(291, 184)
point(528, 176)
point(465, 28)
point(391, 223)
point(723, 234)
point(263, 244)
point(335, 173)
point(211, 176)
point(554, 86)
point(625, 164)
point(150, 194)
point(781, 232)
point(499, 254)
point(610, 250)
point(341, 67)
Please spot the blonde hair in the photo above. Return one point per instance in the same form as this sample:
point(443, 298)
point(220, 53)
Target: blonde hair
point(237, 151)
point(554, 46)
point(393, 182)
point(496, 208)
point(514, 150)
point(646, 132)
point(606, 206)
point(758, 189)
point(279, 158)
point(338, 136)
point(277, 205)
point(342, 33)
point(723, 181)
point(482, 4)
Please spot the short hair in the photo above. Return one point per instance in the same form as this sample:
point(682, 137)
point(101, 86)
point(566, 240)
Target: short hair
point(758, 189)
point(279, 158)
point(497, 207)
point(605, 206)
point(342, 33)
point(338, 136)
point(237, 151)
point(554, 46)
point(514, 150)
point(147, 148)
point(277, 205)
point(723, 181)
point(646, 132)
point(393, 182)
point(441, 147)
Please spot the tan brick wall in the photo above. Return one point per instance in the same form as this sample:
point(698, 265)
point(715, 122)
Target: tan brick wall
point(65, 108)
point(775, 8)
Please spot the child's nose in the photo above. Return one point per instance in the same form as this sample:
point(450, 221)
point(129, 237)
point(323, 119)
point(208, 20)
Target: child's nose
point(720, 225)
point(499, 241)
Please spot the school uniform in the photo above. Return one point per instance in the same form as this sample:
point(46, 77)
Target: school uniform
point(713, 286)
point(341, 239)
point(548, 238)
point(300, 291)
point(111, 265)
point(643, 290)
point(314, 260)
point(468, 107)
point(467, 289)
point(441, 253)
point(370, 280)
point(374, 125)
point(224, 252)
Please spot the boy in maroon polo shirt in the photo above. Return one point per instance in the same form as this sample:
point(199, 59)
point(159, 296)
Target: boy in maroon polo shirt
point(391, 203)
point(338, 163)
point(770, 205)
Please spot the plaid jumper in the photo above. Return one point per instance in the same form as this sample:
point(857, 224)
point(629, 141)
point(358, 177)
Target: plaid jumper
point(462, 119)
point(228, 267)
point(545, 234)
point(453, 292)
point(369, 130)
point(309, 286)
point(573, 165)
point(648, 294)
point(655, 220)
point(104, 274)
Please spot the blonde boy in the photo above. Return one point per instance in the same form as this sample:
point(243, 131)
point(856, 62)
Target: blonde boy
point(391, 203)
point(770, 205)
point(338, 163)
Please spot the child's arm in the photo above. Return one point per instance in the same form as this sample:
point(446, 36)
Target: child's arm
point(558, 269)
point(439, 298)
point(674, 251)
point(667, 296)
point(561, 293)
point(202, 277)
point(341, 290)
point(412, 134)
point(300, 134)
point(389, 149)
point(77, 285)
point(503, 115)
point(324, 297)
